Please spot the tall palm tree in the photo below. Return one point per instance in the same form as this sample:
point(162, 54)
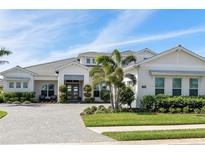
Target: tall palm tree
point(3, 52)
point(109, 70)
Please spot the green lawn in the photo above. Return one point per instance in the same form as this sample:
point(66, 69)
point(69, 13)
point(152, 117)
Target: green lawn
point(2, 114)
point(137, 119)
point(157, 134)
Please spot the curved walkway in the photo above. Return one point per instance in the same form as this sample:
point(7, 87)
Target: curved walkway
point(46, 123)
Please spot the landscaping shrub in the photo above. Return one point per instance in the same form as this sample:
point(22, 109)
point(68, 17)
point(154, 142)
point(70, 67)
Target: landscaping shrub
point(197, 111)
point(126, 96)
point(109, 109)
point(105, 95)
point(33, 100)
point(173, 104)
point(93, 108)
point(2, 98)
point(27, 102)
point(17, 102)
point(148, 103)
point(22, 99)
point(18, 96)
point(88, 110)
point(87, 93)
point(9, 102)
point(63, 91)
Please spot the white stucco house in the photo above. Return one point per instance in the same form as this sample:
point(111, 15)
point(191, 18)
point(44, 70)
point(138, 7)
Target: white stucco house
point(176, 71)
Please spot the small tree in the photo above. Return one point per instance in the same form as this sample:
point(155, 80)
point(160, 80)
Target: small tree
point(63, 91)
point(105, 95)
point(126, 95)
point(87, 92)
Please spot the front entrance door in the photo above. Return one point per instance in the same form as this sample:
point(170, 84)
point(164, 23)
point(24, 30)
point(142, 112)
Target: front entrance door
point(72, 92)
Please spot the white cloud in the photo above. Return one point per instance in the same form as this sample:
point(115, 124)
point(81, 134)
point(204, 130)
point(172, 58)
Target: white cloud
point(122, 25)
point(29, 33)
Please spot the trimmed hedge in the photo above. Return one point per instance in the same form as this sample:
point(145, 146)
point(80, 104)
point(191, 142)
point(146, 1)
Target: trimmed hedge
point(174, 104)
point(12, 97)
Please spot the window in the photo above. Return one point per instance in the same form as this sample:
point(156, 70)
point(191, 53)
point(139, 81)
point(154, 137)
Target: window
point(176, 84)
point(44, 89)
point(11, 84)
point(159, 86)
point(25, 85)
point(47, 90)
point(96, 91)
point(18, 84)
point(94, 61)
point(50, 89)
point(193, 87)
point(88, 60)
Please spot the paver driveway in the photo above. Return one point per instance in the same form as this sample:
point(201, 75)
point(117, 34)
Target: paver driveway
point(45, 123)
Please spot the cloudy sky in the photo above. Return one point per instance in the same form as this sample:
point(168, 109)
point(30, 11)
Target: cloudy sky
point(37, 36)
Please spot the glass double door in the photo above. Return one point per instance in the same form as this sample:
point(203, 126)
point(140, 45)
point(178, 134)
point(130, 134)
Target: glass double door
point(72, 92)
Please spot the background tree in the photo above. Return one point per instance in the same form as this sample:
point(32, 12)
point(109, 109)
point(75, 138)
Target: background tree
point(126, 95)
point(4, 52)
point(109, 70)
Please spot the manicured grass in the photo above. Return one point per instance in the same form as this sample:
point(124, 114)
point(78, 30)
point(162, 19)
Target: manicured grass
point(156, 134)
point(2, 114)
point(139, 119)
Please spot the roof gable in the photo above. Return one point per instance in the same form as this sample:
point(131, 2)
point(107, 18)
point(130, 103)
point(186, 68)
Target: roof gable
point(18, 68)
point(72, 63)
point(175, 49)
point(182, 57)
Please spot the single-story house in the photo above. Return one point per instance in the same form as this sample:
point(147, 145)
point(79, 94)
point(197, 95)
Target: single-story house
point(177, 71)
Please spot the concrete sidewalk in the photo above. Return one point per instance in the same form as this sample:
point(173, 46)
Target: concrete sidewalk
point(141, 128)
point(190, 141)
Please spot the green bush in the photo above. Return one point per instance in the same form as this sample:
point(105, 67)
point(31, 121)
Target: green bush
point(18, 96)
point(2, 98)
point(109, 109)
point(33, 100)
point(105, 95)
point(16, 102)
point(27, 102)
point(203, 109)
point(126, 95)
point(100, 112)
point(88, 110)
point(22, 99)
point(148, 103)
point(173, 104)
point(9, 102)
point(162, 110)
point(101, 108)
point(93, 108)
point(63, 96)
point(197, 111)
point(186, 109)
point(87, 93)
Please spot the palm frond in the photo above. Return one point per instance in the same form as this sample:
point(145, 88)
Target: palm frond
point(4, 51)
point(96, 70)
point(104, 60)
point(116, 56)
point(119, 74)
point(128, 60)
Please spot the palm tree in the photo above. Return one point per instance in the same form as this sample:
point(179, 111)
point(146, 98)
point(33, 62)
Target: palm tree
point(109, 70)
point(3, 52)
